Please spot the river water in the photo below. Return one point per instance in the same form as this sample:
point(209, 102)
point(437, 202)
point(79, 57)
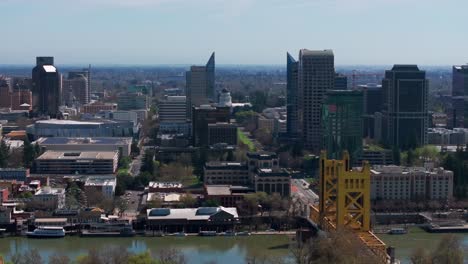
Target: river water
point(418, 238)
point(226, 250)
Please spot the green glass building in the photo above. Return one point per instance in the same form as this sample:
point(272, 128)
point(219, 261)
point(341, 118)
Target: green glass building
point(342, 122)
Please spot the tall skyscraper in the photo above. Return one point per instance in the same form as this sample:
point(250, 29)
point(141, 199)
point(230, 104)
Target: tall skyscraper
point(341, 82)
point(46, 84)
point(460, 95)
point(200, 86)
point(405, 90)
point(342, 123)
point(316, 75)
point(292, 101)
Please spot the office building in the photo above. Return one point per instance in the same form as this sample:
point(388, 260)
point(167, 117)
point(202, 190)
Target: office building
point(292, 100)
point(411, 183)
point(375, 156)
point(200, 85)
point(372, 97)
point(406, 114)
point(46, 87)
point(316, 74)
point(103, 184)
point(86, 162)
point(15, 99)
point(273, 181)
point(460, 95)
point(222, 133)
point(75, 89)
point(71, 128)
point(442, 136)
point(202, 117)
point(132, 101)
point(96, 107)
point(49, 198)
point(273, 120)
point(232, 173)
point(342, 123)
point(95, 144)
point(172, 112)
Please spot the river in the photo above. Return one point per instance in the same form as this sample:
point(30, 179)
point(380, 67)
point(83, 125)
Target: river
point(418, 238)
point(198, 250)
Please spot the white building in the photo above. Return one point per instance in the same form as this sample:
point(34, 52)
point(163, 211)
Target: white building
point(105, 184)
point(225, 99)
point(411, 183)
point(51, 198)
point(172, 112)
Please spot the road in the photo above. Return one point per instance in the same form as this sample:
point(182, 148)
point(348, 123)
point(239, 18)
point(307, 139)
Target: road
point(133, 201)
point(136, 163)
point(300, 189)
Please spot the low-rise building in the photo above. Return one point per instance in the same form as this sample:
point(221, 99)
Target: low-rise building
point(192, 220)
point(19, 174)
point(5, 215)
point(411, 183)
point(235, 173)
point(273, 181)
point(104, 184)
point(49, 198)
point(54, 162)
point(165, 187)
point(120, 144)
point(443, 136)
point(226, 195)
point(375, 157)
point(4, 194)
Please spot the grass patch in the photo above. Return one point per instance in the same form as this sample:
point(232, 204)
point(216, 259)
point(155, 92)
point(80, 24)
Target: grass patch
point(245, 140)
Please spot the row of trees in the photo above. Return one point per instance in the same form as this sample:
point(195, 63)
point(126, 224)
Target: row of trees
point(14, 158)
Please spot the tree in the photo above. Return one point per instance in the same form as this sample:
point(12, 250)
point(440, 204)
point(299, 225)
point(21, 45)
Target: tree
point(188, 200)
point(449, 250)
point(4, 154)
point(396, 155)
point(148, 164)
point(211, 203)
point(142, 258)
point(59, 259)
point(124, 162)
point(410, 158)
point(121, 204)
point(29, 154)
point(135, 150)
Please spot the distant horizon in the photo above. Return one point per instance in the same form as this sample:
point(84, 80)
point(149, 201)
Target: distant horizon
point(242, 32)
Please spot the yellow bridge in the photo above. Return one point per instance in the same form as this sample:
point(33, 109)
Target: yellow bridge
point(345, 202)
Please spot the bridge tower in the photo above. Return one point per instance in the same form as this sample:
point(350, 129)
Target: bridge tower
point(344, 194)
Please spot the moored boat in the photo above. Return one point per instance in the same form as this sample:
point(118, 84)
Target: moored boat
point(47, 232)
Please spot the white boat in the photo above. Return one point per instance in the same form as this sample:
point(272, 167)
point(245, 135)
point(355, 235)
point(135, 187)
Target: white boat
point(243, 233)
point(180, 234)
point(47, 232)
point(397, 231)
point(207, 233)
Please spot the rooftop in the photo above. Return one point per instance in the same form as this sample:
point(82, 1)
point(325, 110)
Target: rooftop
point(49, 68)
point(225, 165)
point(154, 184)
point(101, 181)
point(84, 155)
point(48, 190)
point(202, 213)
point(82, 141)
point(327, 52)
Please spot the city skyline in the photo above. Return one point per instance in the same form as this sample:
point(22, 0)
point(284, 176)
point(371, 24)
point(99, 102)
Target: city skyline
point(256, 32)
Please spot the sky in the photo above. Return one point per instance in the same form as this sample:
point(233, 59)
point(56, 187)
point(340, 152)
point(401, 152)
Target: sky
point(154, 32)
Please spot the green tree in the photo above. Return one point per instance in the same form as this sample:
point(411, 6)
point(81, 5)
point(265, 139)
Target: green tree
point(134, 148)
point(142, 258)
point(148, 164)
point(124, 163)
point(4, 154)
point(410, 157)
point(29, 154)
point(396, 155)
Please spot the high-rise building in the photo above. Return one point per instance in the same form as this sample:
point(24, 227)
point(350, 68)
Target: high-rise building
point(172, 112)
point(200, 86)
point(202, 117)
point(460, 95)
point(342, 122)
point(316, 75)
point(75, 89)
point(372, 103)
point(292, 100)
point(405, 89)
point(47, 87)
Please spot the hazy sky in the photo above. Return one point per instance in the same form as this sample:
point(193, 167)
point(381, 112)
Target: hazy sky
point(430, 32)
